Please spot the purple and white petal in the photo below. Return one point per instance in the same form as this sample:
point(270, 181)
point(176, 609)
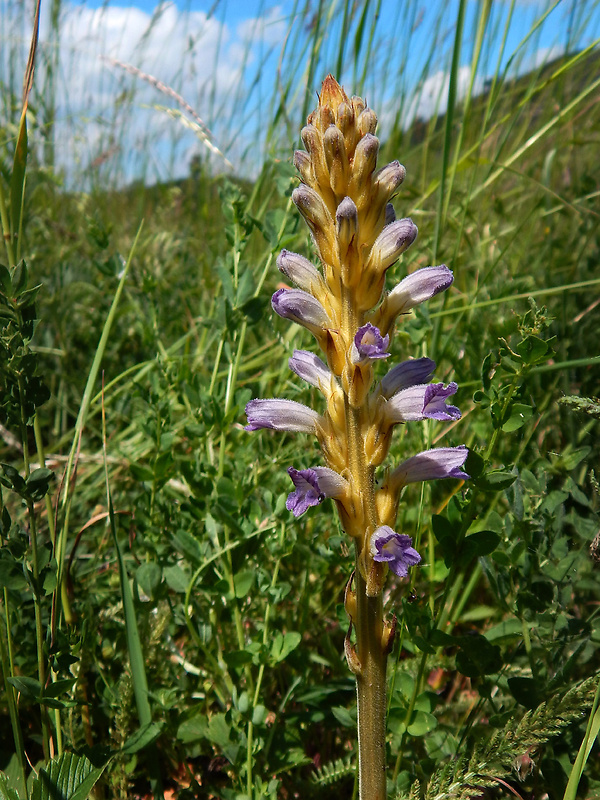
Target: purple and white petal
point(394, 549)
point(280, 415)
point(434, 402)
point(311, 206)
point(416, 288)
point(393, 240)
point(300, 270)
point(423, 401)
point(311, 369)
point(388, 178)
point(405, 374)
point(300, 307)
point(313, 485)
point(441, 462)
point(369, 344)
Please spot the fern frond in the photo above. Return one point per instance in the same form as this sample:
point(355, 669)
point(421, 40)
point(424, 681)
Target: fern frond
point(414, 794)
point(462, 778)
point(334, 771)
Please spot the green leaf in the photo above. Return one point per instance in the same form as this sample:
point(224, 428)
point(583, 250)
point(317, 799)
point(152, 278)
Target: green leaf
point(17, 180)
point(259, 714)
point(237, 658)
point(421, 723)
point(533, 350)
point(67, 777)
point(346, 718)
point(142, 738)
point(28, 687)
point(193, 729)
point(283, 644)
point(177, 578)
point(149, 576)
point(28, 297)
point(38, 483)
point(519, 415)
point(11, 572)
point(478, 544)
point(219, 730)
point(134, 643)
point(477, 656)
point(496, 480)
point(526, 691)
point(6, 791)
point(5, 281)
point(243, 582)
point(20, 278)
point(58, 687)
point(575, 458)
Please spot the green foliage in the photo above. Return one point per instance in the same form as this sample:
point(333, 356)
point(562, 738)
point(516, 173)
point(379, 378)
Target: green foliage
point(194, 624)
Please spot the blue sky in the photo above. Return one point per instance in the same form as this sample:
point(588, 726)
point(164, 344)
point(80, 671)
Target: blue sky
point(223, 58)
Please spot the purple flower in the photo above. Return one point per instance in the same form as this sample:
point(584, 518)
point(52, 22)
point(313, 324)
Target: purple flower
point(441, 462)
point(395, 549)
point(405, 374)
point(311, 206)
point(416, 288)
point(369, 344)
point(389, 178)
point(311, 369)
point(424, 401)
point(302, 308)
point(299, 270)
point(393, 240)
point(313, 485)
point(280, 415)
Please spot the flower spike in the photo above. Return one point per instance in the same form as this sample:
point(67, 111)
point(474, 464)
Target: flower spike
point(345, 200)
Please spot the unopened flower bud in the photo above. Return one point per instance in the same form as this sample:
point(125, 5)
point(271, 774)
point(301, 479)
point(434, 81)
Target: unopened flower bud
point(304, 274)
point(302, 308)
point(345, 118)
point(390, 214)
point(387, 179)
point(367, 122)
point(314, 144)
point(358, 105)
point(346, 218)
point(336, 159)
point(393, 240)
point(303, 164)
point(314, 211)
point(365, 158)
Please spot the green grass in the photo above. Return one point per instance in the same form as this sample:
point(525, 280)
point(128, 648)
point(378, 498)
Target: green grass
point(238, 607)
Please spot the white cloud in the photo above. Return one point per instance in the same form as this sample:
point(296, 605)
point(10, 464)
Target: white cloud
point(102, 110)
point(431, 97)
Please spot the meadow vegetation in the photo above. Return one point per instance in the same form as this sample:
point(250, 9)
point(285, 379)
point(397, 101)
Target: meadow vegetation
point(163, 616)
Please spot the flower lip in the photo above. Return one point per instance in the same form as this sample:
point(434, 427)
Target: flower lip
point(313, 485)
point(311, 369)
point(300, 270)
point(419, 286)
point(301, 307)
point(440, 462)
point(280, 415)
point(369, 344)
point(421, 401)
point(434, 406)
point(394, 549)
point(393, 240)
point(407, 373)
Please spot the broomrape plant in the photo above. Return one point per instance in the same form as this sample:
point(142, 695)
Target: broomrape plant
point(345, 201)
